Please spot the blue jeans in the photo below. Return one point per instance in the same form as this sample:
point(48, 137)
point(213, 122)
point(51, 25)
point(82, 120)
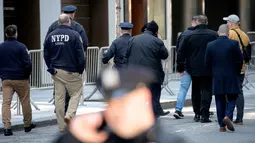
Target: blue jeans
point(185, 84)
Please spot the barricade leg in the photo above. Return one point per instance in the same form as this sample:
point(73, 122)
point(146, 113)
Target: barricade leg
point(92, 93)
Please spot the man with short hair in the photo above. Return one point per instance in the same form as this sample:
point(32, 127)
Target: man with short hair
point(236, 33)
point(147, 50)
point(119, 47)
point(15, 69)
point(185, 78)
point(64, 57)
point(224, 59)
point(190, 58)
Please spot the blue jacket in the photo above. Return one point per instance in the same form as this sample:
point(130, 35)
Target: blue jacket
point(15, 63)
point(63, 49)
point(224, 59)
point(118, 51)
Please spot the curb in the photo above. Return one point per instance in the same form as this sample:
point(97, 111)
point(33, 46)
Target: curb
point(53, 121)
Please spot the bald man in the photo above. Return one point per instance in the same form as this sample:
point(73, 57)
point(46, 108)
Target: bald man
point(64, 57)
point(224, 59)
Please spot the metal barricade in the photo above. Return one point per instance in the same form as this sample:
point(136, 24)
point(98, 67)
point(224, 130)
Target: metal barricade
point(165, 64)
point(39, 77)
point(101, 66)
point(92, 69)
point(250, 68)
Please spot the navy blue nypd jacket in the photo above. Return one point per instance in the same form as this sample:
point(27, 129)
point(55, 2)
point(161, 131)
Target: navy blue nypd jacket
point(15, 63)
point(63, 49)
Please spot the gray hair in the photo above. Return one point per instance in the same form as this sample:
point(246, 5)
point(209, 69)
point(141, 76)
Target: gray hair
point(223, 29)
point(63, 19)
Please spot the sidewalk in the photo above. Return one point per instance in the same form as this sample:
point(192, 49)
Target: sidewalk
point(46, 114)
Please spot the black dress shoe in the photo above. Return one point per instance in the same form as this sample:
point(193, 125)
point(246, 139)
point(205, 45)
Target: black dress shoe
point(205, 120)
point(28, 129)
point(197, 118)
point(164, 113)
point(8, 132)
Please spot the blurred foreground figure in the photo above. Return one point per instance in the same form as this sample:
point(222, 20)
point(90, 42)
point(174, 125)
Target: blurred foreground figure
point(128, 116)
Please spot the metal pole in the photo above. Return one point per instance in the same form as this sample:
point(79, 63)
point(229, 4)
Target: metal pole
point(118, 10)
point(18, 106)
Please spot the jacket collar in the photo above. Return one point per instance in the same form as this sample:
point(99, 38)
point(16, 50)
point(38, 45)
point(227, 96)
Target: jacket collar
point(201, 26)
point(223, 37)
point(191, 28)
point(234, 27)
point(11, 39)
point(64, 26)
point(149, 32)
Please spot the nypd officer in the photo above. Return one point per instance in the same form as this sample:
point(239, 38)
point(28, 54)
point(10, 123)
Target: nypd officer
point(119, 46)
point(64, 57)
point(70, 11)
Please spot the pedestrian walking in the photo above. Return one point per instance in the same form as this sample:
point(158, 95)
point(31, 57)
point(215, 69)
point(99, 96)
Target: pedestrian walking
point(236, 33)
point(64, 57)
point(224, 58)
point(191, 54)
point(185, 78)
point(70, 10)
point(15, 70)
point(119, 47)
point(147, 50)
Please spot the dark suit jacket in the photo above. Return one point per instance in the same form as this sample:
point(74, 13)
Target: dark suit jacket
point(224, 60)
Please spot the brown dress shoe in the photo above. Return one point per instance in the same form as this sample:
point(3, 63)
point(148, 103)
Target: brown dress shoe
point(229, 124)
point(223, 129)
point(68, 120)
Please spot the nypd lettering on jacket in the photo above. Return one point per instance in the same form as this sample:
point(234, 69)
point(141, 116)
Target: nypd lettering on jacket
point(59, 39)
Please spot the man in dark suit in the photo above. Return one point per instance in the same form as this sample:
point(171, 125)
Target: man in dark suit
point(224, 59)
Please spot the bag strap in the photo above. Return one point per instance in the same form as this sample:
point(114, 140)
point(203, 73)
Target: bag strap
point(239, 38)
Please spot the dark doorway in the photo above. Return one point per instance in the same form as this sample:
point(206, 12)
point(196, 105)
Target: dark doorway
point(217, 9)
point(93, 16)
point(26, 15)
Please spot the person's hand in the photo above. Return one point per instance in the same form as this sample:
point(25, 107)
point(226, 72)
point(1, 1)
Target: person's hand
point(131, 115)
point(85, 128)
point(182, 73)
point(159, 37)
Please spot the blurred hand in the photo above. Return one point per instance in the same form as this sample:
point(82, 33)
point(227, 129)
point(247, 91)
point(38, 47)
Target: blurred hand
point(132, 114)
point(159, 37)
point(182, 73)
point(85, 128)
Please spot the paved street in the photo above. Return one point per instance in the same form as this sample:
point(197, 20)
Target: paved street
point(194, 132)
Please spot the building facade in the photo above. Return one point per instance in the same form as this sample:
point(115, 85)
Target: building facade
point(98, 17)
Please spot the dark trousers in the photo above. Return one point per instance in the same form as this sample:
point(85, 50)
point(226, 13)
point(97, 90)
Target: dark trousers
point(201, 95)
point(155, 89)
point(225, 105)
point(240, 101)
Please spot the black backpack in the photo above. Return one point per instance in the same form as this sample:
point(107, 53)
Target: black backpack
point(246, 49)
